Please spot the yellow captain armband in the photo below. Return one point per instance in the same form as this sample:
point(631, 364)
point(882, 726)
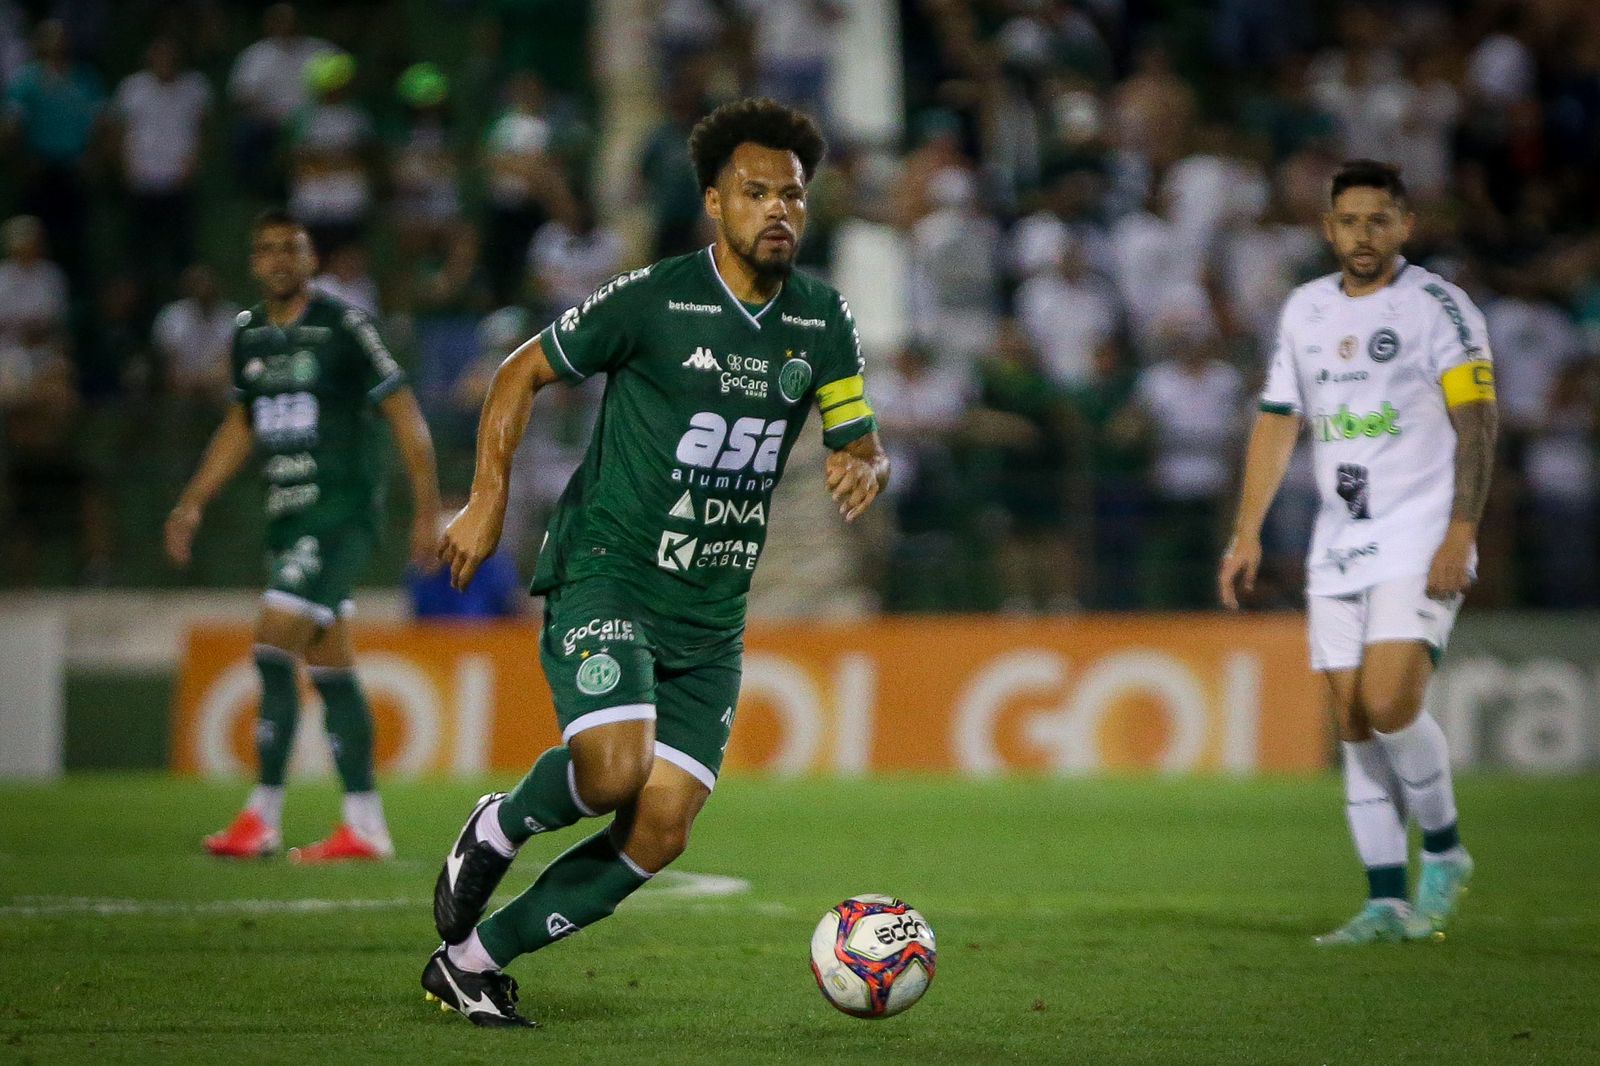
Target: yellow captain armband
point(842, 401)
point(1468, 383)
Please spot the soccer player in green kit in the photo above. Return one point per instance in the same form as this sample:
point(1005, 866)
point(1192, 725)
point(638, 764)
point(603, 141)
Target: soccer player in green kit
point(711, 361)
point(308, 373)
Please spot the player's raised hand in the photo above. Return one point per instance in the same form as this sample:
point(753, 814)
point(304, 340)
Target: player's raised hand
point(853, 482)
point(469, 539)
point(178, 533)
point(1241, 560)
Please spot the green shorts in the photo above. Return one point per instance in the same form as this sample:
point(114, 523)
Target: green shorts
point(311, 572)
point(605, 662)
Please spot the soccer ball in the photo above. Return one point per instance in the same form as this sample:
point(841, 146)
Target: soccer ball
point(872, 956)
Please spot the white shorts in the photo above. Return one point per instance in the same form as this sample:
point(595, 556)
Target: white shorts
point(1341, 626)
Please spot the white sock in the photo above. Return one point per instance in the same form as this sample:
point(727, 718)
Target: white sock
point(1370, 807)
point(470, 955)
point(1421, 760)
point(490, 833)
point(267, 802)
point(363, 812)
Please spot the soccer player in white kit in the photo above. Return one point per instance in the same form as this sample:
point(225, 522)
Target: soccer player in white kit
point(1389, 367)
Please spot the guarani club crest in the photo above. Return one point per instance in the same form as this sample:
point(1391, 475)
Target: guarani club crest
point(598, 674)
point(794, 377)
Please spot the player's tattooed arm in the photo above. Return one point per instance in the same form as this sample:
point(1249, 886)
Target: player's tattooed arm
point(473, 533)
point(856, 474)
point(1477, 425)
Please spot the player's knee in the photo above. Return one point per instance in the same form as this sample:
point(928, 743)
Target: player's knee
point(611, 781)
point(658, 837)
point(1389, 710)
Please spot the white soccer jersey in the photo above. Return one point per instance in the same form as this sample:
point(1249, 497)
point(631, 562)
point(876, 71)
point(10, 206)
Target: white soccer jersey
point(1365, 373)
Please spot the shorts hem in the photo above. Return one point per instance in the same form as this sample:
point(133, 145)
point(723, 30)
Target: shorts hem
point(627, 712)
point(688, 763)
point(288, 601)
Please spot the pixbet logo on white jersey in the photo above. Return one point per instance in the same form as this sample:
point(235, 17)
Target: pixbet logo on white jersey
point(702, 359)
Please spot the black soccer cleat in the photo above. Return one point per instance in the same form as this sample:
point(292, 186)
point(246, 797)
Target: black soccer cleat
point(469, 877)
point(488, 999)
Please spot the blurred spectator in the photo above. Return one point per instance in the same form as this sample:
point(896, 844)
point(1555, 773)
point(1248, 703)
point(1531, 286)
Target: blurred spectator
point(1158, 267)
point(1531, 338)
point(1562, 486)
point(922, 408)
point(1260, 263)
point(686, 31)
point(113, 349)
point(954, 269)
point(269, 87)
point(13, 42)
point(496, 591)
point(571, 258)
point(1069, 314)
point(1428, 128)
point(559, 428)
point(193, 340)
point(525, 183)
point(1117, 462)
point(51, 493)
point(33, 308)
point(442, 294)
point(346, 276)
point(1502, 70)
point(53, 109)
point(1022, 429)
point(1154, 108)
point(792, 47)
point(331, 140)
point(423, 164)
point(161, 111)
point(668, 173)
point(1193, 406)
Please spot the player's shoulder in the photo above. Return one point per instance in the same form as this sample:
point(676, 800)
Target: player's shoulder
point(811, 303)
point(326, 309)
point(1433, 291)
point(1309, 298)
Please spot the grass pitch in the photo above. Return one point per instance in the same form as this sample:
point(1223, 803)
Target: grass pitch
point(1103, 922)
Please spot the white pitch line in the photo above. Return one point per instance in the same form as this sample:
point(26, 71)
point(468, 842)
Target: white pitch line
point(672, 887)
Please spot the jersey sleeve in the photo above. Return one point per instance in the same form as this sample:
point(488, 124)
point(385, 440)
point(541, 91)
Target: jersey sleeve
point(377, 373)
point(841, 384)
point(600, 334)
point(1281, 393)
point(240, 392)
point(1458, 347)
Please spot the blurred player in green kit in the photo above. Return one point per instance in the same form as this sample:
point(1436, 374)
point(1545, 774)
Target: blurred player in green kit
point(712, 362)
point(310, 375)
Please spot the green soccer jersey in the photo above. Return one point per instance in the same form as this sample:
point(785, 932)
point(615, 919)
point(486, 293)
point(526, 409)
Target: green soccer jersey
point(704, 399)
point(310, 391)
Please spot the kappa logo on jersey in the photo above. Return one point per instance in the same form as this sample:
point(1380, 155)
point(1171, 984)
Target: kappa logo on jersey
point(676, 550)
point(702, 359)
point(711, 444)
point(1384, 345)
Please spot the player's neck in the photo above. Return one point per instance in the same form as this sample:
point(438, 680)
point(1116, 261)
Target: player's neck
point(1352, 286)
point(287, 311)
point(741, 280)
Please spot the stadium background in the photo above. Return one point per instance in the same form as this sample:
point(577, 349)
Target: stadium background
point(1066, 228)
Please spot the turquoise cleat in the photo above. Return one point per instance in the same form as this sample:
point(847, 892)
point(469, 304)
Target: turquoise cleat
point(1441, 887)
point(1378, 923)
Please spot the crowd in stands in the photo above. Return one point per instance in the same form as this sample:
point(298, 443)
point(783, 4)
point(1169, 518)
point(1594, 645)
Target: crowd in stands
point(1099, 207)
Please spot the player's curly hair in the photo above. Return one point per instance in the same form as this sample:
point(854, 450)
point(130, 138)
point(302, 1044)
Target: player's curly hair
point(760, 121)
point(1367, 174)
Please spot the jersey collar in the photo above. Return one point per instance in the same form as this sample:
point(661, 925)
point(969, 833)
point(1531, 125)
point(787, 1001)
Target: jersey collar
point(1338, 282)
point(736, 303)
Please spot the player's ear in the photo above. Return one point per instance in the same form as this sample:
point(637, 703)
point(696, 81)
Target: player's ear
point(1408, 223)
point(1327, 225)
point(713, 201)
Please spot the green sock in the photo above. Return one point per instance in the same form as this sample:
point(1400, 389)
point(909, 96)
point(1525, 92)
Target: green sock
point(349, 725)
point(280, 710)
point(542, 801)
point(583, 885)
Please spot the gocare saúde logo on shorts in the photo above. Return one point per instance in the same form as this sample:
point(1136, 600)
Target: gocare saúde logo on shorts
point(1345, 424)
point(598, 674)
point(601, 630)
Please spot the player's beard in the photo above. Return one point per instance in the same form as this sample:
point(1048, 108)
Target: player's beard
point(765, 270)
point(1380, 264)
